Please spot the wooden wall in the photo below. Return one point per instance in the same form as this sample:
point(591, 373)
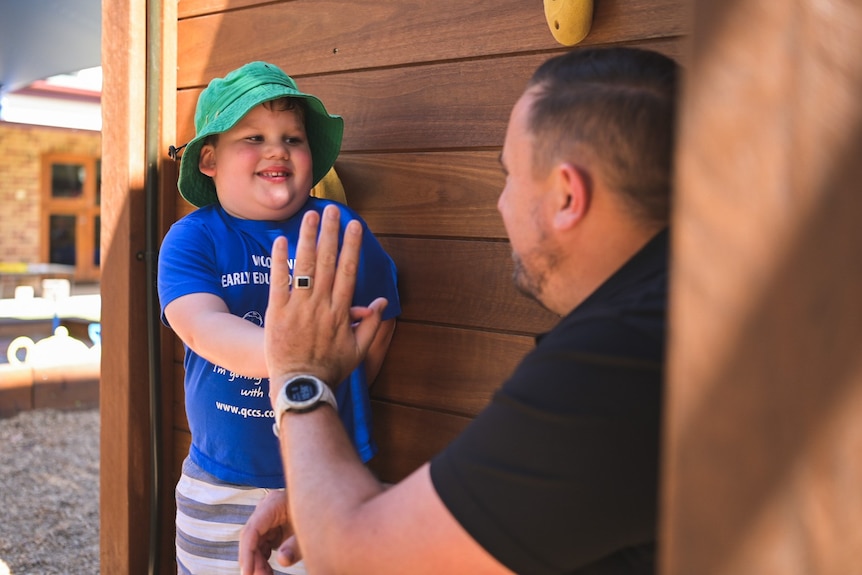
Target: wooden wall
point(425, 89)
point(764, 409)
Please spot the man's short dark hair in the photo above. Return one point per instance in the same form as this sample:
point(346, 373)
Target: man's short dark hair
point(614, 108)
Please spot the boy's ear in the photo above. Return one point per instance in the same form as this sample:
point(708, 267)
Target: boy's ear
point(206, 161)
point(573, 189)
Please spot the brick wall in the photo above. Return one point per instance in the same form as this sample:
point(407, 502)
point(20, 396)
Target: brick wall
point(21, 149)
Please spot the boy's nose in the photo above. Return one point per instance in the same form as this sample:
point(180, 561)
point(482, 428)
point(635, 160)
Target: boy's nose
point(276, 150)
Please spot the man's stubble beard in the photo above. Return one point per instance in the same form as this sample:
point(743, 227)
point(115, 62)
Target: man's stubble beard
point(531, 282)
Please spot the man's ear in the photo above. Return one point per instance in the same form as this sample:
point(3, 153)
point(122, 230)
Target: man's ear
point(206, 161)
point(573, 193)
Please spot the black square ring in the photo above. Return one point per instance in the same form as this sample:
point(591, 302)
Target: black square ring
point(303, 282)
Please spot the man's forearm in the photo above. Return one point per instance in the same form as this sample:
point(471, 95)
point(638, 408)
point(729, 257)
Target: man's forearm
point(328, 485)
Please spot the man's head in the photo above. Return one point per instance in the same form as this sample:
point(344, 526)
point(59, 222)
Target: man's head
point(226, 101)
point(588, 155)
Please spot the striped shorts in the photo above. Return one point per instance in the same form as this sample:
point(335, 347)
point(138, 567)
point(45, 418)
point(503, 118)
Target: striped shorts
point(210, 515)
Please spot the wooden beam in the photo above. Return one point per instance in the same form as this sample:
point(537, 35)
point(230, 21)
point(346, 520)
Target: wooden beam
point(313, 38)
point(764, 406)
point(164, 58)
point(125, 465)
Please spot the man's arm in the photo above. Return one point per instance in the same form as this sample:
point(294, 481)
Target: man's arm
point(344, 519)
point(336, 504)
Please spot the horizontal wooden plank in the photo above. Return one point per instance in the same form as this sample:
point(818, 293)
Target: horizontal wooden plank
point(433, 367)
point(444, 106)
point(430, 371)
point(457, 283)
point(447, 369)
point(189, 8)
point(408, 437)
point(313, 37)
point(428, 194)
point(448, 106)
point(463, 283)
point(428, 367)
point(441, 106)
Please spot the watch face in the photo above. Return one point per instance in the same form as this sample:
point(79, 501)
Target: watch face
point(301, 390)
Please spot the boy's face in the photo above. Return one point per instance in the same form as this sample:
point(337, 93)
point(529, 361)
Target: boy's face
point(262, 166)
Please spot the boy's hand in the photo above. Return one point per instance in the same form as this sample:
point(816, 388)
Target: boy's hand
point(315, 330)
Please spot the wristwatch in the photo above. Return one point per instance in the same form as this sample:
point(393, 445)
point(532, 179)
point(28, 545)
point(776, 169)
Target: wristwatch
point(302, 393)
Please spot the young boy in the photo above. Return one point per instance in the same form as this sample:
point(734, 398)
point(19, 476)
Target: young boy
point(260, 146)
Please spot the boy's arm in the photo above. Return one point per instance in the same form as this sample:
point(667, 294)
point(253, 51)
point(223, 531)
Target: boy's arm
point(378, 349)
point(204, 324)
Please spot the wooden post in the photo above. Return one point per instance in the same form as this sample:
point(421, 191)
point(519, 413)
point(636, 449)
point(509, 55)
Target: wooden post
point(764, 409)
point(125, 455)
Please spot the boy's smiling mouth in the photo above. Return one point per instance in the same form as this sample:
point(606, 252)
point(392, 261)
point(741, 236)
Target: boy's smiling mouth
point(274, 174)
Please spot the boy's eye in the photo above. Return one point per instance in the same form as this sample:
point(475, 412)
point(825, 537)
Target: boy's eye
point(289, 140)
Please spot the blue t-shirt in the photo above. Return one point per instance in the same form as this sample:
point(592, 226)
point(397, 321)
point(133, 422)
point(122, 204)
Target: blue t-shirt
point(229, 415)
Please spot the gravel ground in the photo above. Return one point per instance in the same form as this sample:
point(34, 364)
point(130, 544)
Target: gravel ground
point(49, 493)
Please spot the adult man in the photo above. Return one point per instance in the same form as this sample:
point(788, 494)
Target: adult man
point(559, 473)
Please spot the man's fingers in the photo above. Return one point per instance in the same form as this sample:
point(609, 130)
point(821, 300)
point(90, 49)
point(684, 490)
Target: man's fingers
point(288, 553)
point(253, 554)
point(264, 531)
point(348, 264)
point(327, 246)
point(367, 328)
point(322, 302)
point(279, 274)
point(306, 254)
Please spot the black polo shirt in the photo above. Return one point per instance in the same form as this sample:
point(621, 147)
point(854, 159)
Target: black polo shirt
point(559, 474)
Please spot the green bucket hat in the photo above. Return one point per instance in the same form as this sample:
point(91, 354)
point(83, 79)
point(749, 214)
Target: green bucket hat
point(226, 100)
